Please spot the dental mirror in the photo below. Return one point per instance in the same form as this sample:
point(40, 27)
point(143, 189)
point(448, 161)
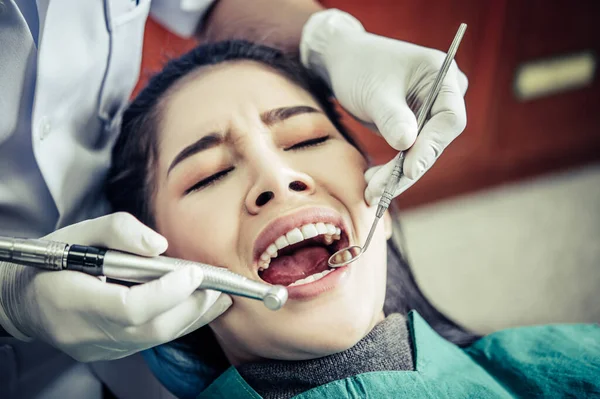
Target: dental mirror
point(349, 254)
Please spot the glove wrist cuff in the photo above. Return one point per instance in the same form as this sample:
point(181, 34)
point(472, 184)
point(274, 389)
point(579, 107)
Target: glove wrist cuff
point(323, 28)
point(8, 275)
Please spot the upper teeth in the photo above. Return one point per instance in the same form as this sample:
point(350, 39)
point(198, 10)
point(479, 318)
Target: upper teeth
point(294, 236)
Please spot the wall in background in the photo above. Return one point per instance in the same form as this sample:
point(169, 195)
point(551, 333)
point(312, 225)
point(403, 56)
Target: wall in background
point(506, 138)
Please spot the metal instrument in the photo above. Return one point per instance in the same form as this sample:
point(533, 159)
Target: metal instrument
point(349, 254)
point(55, 256)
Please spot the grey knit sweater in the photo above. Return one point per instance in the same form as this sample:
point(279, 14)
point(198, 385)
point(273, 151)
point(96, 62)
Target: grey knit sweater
point(387, 347)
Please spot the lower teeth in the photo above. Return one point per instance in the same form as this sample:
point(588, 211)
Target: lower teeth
point(311, 278)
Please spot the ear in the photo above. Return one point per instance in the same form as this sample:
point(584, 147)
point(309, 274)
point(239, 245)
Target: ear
point(387, 224)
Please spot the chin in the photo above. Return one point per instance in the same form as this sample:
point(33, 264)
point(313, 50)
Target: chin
point(334, 334)
point(340, 326)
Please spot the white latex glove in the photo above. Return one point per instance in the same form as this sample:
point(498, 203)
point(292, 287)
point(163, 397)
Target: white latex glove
point(381, 81)
point(92, 320)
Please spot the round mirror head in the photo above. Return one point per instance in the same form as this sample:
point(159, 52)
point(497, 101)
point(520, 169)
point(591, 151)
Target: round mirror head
point(345, 256)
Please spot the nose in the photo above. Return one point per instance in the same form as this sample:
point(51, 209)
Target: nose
point(278, 185)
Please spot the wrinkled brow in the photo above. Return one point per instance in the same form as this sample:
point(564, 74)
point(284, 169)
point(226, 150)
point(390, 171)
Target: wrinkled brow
point(214, 139)
point(280, 114)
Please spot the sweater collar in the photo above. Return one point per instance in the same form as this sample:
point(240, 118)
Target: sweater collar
point(387, 347)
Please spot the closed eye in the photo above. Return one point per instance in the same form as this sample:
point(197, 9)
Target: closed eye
point(209, 180)
point(308, 143)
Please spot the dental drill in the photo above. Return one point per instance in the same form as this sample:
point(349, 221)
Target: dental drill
point(56, 256)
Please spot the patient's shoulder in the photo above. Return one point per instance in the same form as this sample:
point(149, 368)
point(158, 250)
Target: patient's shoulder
point(563, 339)
point(543, 359)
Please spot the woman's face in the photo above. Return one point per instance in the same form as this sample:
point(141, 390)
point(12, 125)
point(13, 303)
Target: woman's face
point(245, 158)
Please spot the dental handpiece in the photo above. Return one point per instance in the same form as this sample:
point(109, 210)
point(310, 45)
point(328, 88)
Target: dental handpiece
point(55, 256)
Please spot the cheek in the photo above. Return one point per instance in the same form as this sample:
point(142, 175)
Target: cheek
point(341, 168)
point(199, 227)
point(247, 328)
point(373, 265)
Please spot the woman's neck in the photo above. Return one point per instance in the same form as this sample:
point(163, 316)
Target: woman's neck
point(387, 347)
point(238, 356)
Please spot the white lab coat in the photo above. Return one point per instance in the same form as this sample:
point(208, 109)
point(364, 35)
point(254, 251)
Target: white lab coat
point(62, 94)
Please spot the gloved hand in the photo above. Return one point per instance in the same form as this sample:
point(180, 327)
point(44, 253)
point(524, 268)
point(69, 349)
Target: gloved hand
point(92, 320)
point(381, 81)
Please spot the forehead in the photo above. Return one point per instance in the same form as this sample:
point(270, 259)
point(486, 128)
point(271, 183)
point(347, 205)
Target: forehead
point(216, 96)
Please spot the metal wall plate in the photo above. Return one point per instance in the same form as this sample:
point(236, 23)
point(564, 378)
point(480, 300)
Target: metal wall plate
point(549, 76)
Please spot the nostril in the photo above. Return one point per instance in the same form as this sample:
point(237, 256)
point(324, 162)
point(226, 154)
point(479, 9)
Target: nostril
point(298, 186)
point(263, 198)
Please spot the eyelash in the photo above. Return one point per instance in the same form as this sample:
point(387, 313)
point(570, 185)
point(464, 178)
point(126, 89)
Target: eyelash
point(308, 143)
point(209, 180)
point(218, 176)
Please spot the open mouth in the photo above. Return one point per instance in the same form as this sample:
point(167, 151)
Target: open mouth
point(300, 256)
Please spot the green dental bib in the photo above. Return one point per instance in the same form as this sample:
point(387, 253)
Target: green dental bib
point(540, 361)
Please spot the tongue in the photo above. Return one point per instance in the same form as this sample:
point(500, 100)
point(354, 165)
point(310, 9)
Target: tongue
point(302, 263)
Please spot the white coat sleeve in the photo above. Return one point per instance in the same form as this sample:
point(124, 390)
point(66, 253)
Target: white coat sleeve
point(181, 17)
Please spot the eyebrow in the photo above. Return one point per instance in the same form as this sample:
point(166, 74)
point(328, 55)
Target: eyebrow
point(214, 139)
point(278, 115)
point(209, 141)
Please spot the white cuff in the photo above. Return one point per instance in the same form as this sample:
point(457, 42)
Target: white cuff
point(181, 17)
point(318, 33)
point(7, 272)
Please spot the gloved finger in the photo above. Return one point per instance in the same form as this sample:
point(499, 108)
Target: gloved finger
point(378, 177)
point(139, 304)
point(120, 231)
point(99, 351)
point(463, 82)
point(103, 353)
point(371, 172)
point(448, 120)
point(74, 295)
point(394, 119)
point(404, 184)
point(196, 311)
point(376, 181)
point(221, 305)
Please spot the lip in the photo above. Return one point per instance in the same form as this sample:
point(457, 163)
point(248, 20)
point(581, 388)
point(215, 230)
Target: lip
point(299, 218)
point(316, 288)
